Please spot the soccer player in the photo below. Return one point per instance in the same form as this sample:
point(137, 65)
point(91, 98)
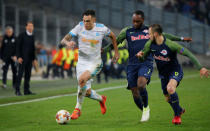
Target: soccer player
point(90, 36)
point(170, 72)
point(138, 74)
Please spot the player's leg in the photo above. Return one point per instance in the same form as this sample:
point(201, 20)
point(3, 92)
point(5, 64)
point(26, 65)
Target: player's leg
point(141, 84)
point(174, 101)
point(14, 73)
point(92, 94)
point(21, 70)
point(5, 70)
point(82, 89)
point(132, 76)
point(144, 74)
point(137, 98)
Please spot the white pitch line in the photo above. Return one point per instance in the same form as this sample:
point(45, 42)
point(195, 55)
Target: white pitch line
point(74, 94)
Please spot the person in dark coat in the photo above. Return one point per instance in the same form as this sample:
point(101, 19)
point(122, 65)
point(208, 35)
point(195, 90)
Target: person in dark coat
point(8, 55)
point(26, 58)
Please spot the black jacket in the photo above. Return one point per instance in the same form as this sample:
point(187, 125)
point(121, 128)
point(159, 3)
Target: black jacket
point(8, 48)
point(26, 47)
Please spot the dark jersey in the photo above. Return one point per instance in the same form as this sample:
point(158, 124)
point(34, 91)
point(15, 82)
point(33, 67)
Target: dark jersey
point(165, 55)
point(136, 39)
point(8, 48)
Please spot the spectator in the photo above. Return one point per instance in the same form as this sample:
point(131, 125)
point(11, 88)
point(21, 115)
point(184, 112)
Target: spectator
point(208, 11)
point(41, 54)
point(8, 55)
point(1, 37)
point(186, 9)
point(26, 57)
point(202, 11)
point(169, 7)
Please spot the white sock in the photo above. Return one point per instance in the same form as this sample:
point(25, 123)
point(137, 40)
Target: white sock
point(80, 97)
point(95, 96)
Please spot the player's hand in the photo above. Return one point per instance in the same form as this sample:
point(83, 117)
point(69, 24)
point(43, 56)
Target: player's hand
point(204, 72)
point(14, 58)
point(140, 54)
point(20, 60)
point(36, 65)
point(116, 57)
point(102, 50)
point(187, 39)
point(71, 44)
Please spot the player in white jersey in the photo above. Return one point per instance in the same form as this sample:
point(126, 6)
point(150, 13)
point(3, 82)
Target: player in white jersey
point(90, 36)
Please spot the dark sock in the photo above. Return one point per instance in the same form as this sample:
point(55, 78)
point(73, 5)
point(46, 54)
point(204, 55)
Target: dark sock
point(144, 95)
point(138, 102)
point(174, 102)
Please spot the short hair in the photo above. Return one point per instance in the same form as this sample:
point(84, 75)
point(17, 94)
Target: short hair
point(89, 12)
point(9, 28)
point(29, 22)
point(139, 12)
point(157, 28)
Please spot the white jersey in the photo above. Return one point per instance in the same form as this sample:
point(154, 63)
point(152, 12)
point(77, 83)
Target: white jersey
point(90, 41)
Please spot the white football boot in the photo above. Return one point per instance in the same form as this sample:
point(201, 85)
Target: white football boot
point(145, 114)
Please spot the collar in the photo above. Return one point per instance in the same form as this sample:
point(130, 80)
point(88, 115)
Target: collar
point(28, 33)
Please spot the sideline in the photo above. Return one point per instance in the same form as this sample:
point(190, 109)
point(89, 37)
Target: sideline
point(74, 94)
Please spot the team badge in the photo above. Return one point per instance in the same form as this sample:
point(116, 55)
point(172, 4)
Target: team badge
point(13, 40)
point(164, 52)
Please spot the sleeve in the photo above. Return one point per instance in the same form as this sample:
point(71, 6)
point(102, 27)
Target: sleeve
point(184, 51)
point(19, 46)
point(123, 44)
point(34, 50)
point(74, 32)
point(122, 36)
point(107, 31)
point(1, 49)
point(15, 54)
point(172, 37)
point(146, 50)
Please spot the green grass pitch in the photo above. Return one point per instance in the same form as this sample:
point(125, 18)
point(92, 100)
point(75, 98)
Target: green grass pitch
point(122, 113)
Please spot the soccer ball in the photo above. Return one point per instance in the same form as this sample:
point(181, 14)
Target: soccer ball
point(62, 117)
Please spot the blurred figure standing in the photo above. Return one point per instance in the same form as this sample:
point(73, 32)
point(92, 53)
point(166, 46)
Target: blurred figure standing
point(8, 55)
point(26, 58)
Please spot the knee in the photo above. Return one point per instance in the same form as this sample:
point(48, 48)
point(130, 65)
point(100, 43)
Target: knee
point(135, 93)
point(88, 93)
point(81, 82)
point(167, 98)
point(170, 89)
point(141, 84)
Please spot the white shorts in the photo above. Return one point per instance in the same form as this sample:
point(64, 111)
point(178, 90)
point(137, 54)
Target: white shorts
point(93, 68)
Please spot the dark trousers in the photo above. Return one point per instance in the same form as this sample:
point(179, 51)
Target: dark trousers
point(5, 70)
point(105, 70)
point(26, 69)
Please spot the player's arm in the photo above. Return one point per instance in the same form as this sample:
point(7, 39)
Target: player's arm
point(73, 33)
point(67, 41)
point(142, 55)
point(114, 43)
point(184, 51)
point(177, 38)
point(122, 36)
point(123, 44)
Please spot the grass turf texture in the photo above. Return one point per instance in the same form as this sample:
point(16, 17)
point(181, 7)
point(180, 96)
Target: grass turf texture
point(122, 113)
